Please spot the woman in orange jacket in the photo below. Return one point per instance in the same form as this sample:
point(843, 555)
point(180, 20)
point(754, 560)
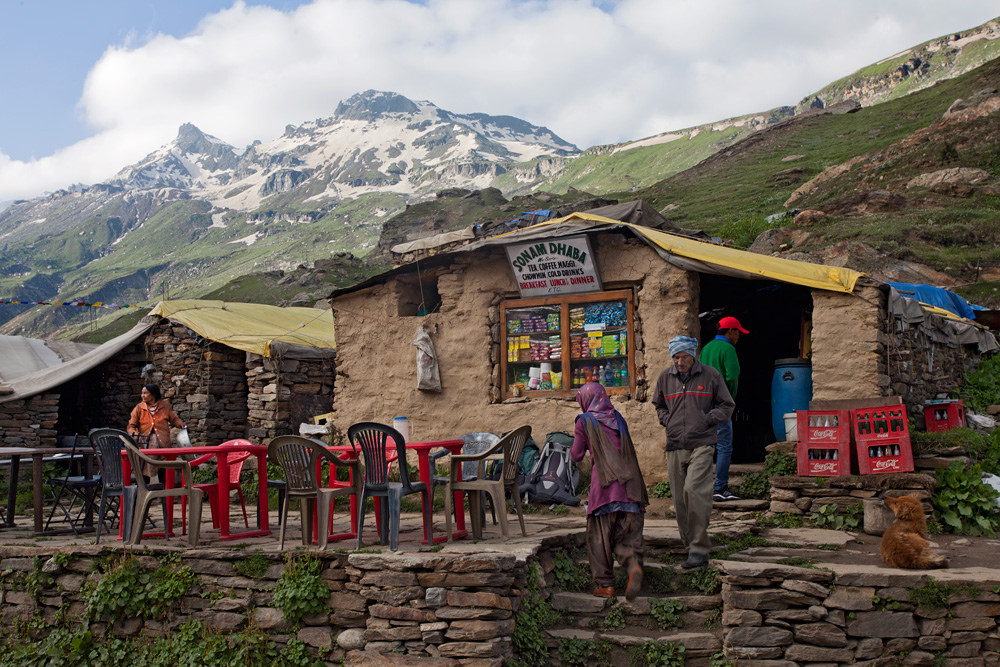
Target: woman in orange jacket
point(153, 417)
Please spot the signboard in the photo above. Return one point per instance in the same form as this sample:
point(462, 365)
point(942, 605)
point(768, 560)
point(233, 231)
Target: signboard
point(554, 266)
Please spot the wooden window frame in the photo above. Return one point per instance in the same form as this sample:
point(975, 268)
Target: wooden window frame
point(566, 302)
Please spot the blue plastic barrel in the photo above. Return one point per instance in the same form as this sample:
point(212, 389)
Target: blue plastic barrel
point(791, 390)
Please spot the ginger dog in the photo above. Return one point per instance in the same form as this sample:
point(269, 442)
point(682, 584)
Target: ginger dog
point(904, 543)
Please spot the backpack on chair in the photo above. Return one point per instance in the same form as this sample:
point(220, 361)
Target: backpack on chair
point(554, 476)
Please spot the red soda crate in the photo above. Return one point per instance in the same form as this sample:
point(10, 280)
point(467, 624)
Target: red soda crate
point(884, 456)
point(944, 415)
point(824, 460)
point(881, 423)
point(830, 427)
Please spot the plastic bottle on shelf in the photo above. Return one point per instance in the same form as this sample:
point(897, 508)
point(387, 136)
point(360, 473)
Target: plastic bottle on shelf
point(609, 375)
point(624, 374)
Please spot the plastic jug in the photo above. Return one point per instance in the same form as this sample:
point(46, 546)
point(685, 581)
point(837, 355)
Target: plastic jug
point(402, 424)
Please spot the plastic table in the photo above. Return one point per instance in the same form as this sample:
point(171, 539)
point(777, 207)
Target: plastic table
point(222, 455)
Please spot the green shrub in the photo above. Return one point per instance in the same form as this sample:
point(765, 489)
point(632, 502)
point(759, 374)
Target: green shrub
point(982, 384)
point(300, 591)
point(755, 485)
point(130, 590)
point(576, 651)
point(705, 580)
point(570, 574)
point(656, 654)
point(667, 613)
point(533, 616)
point(828, 516)
point(962, 503)
point(660, 490)
point(779, 464)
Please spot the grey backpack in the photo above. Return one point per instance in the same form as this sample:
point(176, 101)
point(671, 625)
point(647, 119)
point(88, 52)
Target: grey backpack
point(554, 476)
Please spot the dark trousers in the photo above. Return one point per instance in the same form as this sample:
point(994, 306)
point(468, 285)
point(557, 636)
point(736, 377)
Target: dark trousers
point(615, 535)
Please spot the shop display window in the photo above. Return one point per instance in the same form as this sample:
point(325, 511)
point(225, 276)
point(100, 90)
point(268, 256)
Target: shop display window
point(557, 344)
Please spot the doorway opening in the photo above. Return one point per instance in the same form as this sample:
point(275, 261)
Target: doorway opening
point(778, 317)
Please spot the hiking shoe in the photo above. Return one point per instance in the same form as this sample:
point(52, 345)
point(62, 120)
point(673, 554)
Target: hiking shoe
point(695, 560)
point(724, 495)
point(604, 592)
point(634, 583)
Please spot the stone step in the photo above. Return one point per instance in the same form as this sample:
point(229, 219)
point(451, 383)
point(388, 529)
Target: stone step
point(585, 603)
point(696, 644)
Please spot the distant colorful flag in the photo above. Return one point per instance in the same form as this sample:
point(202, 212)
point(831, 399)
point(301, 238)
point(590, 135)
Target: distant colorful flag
point(96, 304)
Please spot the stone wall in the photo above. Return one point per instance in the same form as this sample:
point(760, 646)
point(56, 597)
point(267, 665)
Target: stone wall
point(920, 367)
point(285, 393)
point(30, 422)
point(204, 381)
point(805, 495)
point(842, 614)
point(429, 605)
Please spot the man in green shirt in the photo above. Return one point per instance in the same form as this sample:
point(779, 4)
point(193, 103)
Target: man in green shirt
point(720, 354)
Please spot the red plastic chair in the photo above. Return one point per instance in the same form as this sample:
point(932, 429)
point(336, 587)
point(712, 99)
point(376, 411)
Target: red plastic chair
point(235, 470)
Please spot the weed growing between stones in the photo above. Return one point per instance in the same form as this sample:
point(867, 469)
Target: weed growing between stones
point(720, 660)
point(300, 591)
point(885, 604)
point(32, 583)
point(779, 464)
point(660, 490)
point(755, 485)
point(75, 645)
point(778, 520)
point(533, 617)
point(705, 580)
point(130, 590)
point(614, 619)
point(667, 613)
point(936, 595)
point(732, 545)
point(798, 561)
point(570, 574)
point(714, 619)
point(576, 651)
point(828, 517)
point(252, 567)
point(656, 654)
point(962, 503)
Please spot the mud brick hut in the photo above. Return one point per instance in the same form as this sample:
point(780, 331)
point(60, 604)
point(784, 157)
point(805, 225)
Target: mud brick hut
point(230, 370)
point(591, 290)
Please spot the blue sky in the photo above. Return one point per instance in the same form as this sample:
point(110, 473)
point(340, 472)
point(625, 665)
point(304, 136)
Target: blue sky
point(90, 86)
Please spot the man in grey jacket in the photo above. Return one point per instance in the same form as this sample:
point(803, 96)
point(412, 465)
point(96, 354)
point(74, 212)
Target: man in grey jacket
point(691, 399)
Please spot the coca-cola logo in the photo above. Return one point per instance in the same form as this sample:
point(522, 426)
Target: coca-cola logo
point(828, 434)
point(825, 467)
point(883, 465)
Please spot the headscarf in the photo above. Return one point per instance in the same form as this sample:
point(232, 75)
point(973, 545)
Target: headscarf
point(683, 344)
point(594, 400)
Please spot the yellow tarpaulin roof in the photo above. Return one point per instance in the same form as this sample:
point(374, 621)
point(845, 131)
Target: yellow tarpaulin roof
point(819, 276)
point(252, 326)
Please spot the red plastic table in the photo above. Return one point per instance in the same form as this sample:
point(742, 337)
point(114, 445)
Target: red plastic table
point(222, 455)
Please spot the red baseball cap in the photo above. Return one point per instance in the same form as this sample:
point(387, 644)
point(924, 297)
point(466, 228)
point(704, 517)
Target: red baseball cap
point(731, 323)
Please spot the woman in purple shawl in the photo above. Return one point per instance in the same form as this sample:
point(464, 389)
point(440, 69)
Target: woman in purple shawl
point(617, 492)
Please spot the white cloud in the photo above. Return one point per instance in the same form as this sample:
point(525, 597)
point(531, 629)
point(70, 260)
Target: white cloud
point(591, 75)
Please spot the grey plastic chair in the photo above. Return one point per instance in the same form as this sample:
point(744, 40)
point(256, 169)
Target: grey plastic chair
point(107, 444)
point(510, 446)
point(371, 438)
point(475, 443)
point(147, 493)
point(299, 457)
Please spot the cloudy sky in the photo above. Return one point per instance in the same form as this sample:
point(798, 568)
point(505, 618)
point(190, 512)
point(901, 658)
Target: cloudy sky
point(89, 86)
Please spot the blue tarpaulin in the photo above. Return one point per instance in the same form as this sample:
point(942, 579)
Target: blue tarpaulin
point(937, 296)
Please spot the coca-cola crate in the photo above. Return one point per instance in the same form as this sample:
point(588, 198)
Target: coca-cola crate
point(824, 460)
point(830, 427)
point(884, 456)
point(944, 415)
point(888, 423)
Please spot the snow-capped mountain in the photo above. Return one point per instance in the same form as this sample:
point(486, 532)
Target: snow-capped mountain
point(374, 142)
